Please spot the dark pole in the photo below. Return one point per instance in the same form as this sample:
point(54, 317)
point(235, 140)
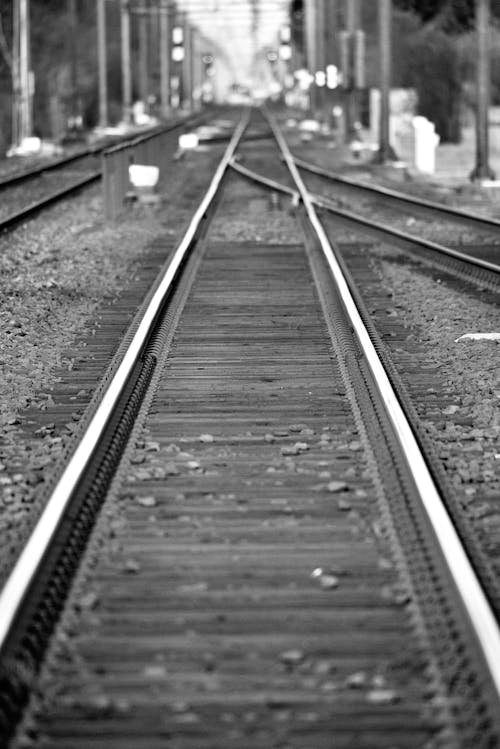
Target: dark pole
point(351, 108)
point(320, 53)
point(102, 63)
point(164, 58)
point(16, 76)
point(73, 56)
point(26, 111)
point(331, 51)
point(126, 66)
point(482, 170)
point(310, 17)
point(143, 53)
point(385, 24)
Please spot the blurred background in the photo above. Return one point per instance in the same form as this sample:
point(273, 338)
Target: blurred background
point(240, 50)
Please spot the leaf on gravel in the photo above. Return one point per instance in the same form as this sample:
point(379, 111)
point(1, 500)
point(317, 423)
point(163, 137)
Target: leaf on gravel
point(343, 505)
point(171, 469)
point(131, 566)
point(325, 578)
point(88, 601)
point(382, 696)
point(478, 337)
point(356, 680)
point(148, 501)
point(156, 671)
point(295, 449)
point(193, 588)
point(337, 486)
point(292, 657)
point(355, 445)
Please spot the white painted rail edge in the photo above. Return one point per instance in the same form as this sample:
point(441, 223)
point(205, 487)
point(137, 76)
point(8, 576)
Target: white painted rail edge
point(25, 569)
point(466, 582)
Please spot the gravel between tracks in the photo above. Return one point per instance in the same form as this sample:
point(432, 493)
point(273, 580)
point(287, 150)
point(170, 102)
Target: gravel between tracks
point(467, 431)
point(57, 273)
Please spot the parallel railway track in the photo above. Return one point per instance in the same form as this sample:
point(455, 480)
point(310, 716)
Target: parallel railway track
point(40, 187)
point(286, 572)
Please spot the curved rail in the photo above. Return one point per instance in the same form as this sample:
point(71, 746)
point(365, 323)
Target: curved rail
point(465, 581)
point(355, 218)
point(479, 222)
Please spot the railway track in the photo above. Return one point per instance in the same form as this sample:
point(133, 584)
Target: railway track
point(253, 547)
point(46, 184)
point(475, 262)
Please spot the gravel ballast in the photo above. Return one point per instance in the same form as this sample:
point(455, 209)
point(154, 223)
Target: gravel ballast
point(59, 274)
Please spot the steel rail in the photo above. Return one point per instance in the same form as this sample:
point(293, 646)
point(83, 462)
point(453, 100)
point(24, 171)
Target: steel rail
point(466, 584)
point(94, 150)
point(271, 183)
point(484, 222)
point(328, 205)
point(24, 572)
point(39, 170)
point(32, 208)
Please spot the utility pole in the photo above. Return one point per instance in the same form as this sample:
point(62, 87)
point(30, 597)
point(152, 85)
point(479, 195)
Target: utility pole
point(187, 67)
point(73, 57)
point(351, 105)
point(385, 152)
point(16, 78)
point(482, 170)
point(311, 56)
point(26, 114)
point(143, 53)
point(126, 62)
point(331, 51)
point(102, 63)
point(165, 57)
point(321, 55)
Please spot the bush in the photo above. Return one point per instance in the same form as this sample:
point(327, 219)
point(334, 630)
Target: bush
point(435, 69)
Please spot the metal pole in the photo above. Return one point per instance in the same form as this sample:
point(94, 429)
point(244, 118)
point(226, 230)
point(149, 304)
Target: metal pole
point(331, 51)
point(385, 24)
point(331, 28)
point(126, 62)
point(143, 54)
point(164, 58)
point(73, 56)
point(187, 67)
point(482, 170)
point(321, 53)
point(102, 63)
point(310, 18)
point(351, 107)
point(16, 82)
point(26, 120)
